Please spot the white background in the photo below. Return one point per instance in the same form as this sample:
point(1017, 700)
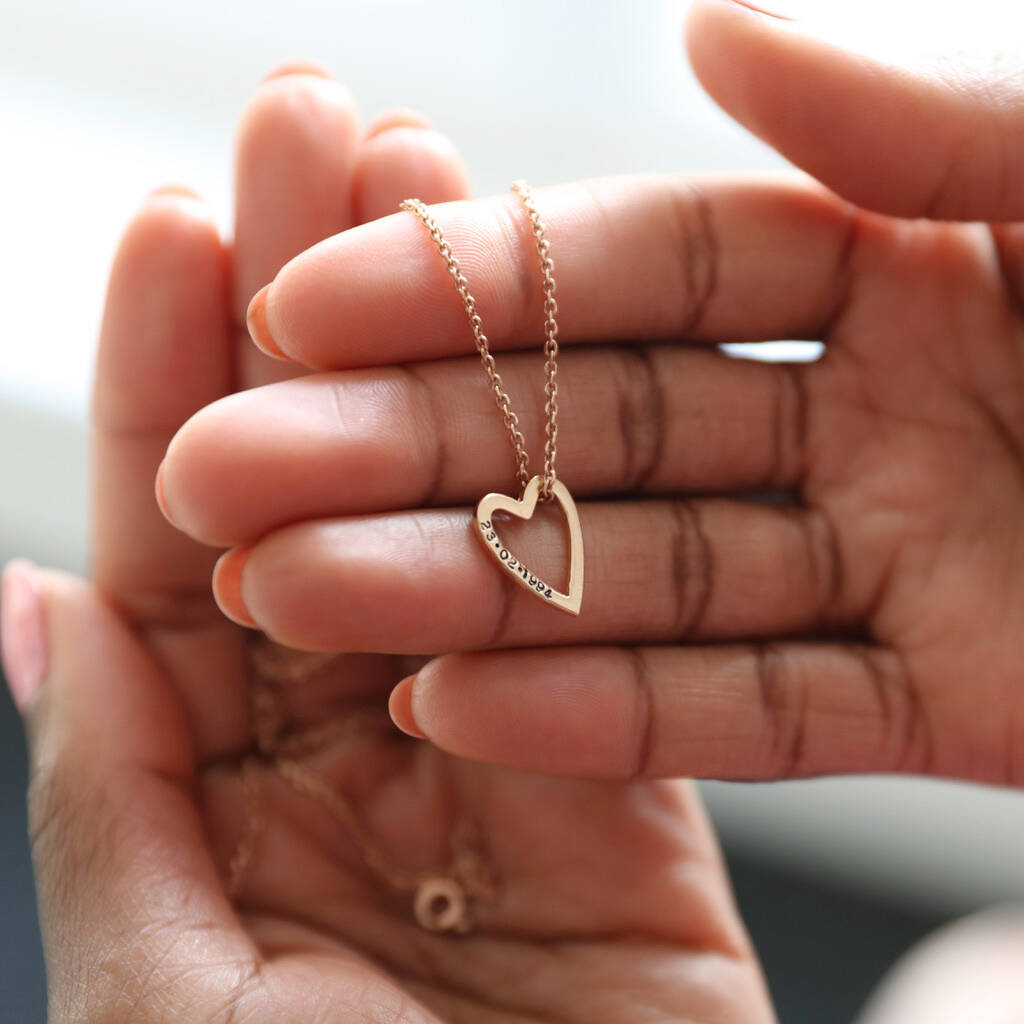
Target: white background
point(100, 102)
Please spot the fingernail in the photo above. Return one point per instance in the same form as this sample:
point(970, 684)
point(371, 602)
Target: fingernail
point(297, 67)
point(400, 708)
point(403, 118)
point(227, 586)
point(174, 189)
point(161, 498)
point(256, 319)
point(759, 8)
point(22, 633)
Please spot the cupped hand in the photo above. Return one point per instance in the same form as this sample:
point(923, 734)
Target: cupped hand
point(176, 754)
point(867, 623)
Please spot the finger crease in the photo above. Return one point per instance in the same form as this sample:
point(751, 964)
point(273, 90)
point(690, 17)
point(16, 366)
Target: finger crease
point(643, 714)
point(698, 253)
point(169, 607)
point(1006, 264)
point(506, 594)
point(515, 232)
point(692, 569)
point(432, 434)
point(842, 274)
point(786, 716)
point(789, 428)
point(823, 553)
point(239, 997)
point(917, 747)
point(937, 204)
point(641, 418)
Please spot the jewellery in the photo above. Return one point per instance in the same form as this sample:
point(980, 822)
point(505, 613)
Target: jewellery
point(441, 899)
point(542, 487)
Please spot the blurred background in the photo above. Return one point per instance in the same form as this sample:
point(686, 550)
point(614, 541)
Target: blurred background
point(100, 102)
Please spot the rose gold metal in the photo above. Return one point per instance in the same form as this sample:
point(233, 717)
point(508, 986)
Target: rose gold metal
point(547, 269)
point(440, 905)
point(545, 486)
point(524, 509)
point(504, 403)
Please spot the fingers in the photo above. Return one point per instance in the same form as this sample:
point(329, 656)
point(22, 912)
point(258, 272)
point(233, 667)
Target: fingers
point(164, 352)
point(404, 157)
point(422, 583)
point(132, 907)
point(294, 163)
point(303, 174)
point(642, 257)
point(652, 419)
point(772, 711)
point(938, 141)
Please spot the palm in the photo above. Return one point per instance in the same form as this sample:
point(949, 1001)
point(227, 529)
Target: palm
point(913, 433)
point(608, 898)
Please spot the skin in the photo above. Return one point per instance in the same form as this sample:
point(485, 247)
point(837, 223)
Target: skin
point(969, 970)
point(140, 728)
point(866, 626)
point(865, 622)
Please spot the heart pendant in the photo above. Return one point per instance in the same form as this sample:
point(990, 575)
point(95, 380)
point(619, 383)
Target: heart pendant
point(524, 509)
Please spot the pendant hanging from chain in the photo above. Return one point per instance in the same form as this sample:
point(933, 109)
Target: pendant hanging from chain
point(543, 487)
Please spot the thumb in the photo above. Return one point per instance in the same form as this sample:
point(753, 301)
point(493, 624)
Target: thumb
point(130, 900)
point(941, 139)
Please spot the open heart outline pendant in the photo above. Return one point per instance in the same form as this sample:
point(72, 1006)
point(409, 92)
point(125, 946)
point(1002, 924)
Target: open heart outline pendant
point(523, 509)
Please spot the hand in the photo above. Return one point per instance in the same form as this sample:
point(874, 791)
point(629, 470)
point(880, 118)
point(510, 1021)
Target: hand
point(610, 900)
point(869, 625)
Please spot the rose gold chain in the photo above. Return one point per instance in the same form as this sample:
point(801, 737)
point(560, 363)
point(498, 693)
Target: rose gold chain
point(441, 897)
point(483, 346)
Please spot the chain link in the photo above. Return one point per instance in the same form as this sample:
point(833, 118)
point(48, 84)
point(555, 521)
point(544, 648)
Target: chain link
point(501, 397)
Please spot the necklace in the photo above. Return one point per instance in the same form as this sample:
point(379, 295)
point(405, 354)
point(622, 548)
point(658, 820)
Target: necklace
point(545, 486)
point(441, 898)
